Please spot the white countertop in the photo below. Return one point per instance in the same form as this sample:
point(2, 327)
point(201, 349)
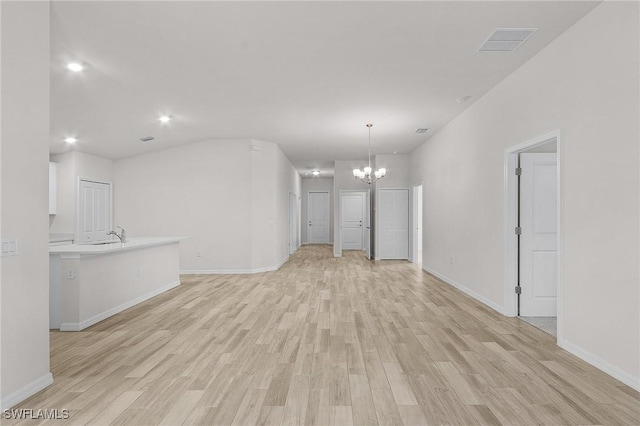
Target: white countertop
point(131, 244)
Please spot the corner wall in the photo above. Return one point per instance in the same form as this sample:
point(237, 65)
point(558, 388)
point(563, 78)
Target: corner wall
point(229, 196)
point(586, 84)
point(24, 354)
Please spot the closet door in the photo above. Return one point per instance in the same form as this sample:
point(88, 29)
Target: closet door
point(94, 213)
point(393, 223)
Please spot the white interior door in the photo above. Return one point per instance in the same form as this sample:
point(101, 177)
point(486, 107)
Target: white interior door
point(538, 240)
point(393, 224)
point(94, 212)
point(318, 217)
point(353, 220)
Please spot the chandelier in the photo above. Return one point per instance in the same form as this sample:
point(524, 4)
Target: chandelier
point(365, 174)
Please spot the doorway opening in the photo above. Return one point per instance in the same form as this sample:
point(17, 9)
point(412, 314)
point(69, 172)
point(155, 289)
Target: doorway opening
point(355, 221)
point(533, 234)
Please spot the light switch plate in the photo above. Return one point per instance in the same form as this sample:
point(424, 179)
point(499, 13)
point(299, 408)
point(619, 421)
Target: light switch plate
point(9, 247)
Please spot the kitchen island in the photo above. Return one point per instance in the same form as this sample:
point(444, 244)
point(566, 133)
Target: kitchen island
point(91, 282)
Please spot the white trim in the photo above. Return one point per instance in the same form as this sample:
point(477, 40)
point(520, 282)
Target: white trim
point(509, 246)
point(234, 271)
point(75, 326)
point(413, 220)
point(466, 290)
point(615, 372)
point(26, 391)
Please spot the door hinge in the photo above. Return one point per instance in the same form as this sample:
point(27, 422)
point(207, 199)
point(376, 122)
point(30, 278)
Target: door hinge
point(518, 230)
point(518, 289)
point(518, 171)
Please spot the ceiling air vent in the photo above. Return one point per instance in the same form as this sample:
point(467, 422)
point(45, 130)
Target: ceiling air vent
point(506, 39)
point(147, 139)
point(421, 130)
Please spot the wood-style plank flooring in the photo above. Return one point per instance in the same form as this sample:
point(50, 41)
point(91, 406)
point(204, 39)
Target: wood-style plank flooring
point(323, 341)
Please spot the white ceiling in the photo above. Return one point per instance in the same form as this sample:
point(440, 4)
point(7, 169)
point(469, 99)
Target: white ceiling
point(305, 75)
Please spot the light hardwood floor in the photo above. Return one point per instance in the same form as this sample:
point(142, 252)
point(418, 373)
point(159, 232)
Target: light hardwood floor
point(323, 341)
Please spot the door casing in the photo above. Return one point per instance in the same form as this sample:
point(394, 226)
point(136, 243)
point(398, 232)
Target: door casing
point(510, 223)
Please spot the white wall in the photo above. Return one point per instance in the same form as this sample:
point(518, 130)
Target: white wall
point(73, 165)
point(228, 195)
point(316, 184)
point(288, 181)
point(398, 171)
point(24, 357)
point(585, 84)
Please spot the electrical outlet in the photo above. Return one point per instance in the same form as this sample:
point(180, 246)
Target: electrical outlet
point(71, 274)
point(10, 247)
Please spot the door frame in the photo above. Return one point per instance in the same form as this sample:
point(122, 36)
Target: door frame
point(78, 195)
point(306, 224)
point(337, 245)
point(510, 223)
point(293, 223)
point(413, 221)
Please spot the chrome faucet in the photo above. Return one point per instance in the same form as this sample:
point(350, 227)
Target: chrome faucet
point(122, 236)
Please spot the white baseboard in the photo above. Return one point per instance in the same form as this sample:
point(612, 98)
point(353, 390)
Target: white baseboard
point(234, 271)
point(612, 370)
point(599, 363)
point(26, 391)
point(75, 326)
point(466, 290)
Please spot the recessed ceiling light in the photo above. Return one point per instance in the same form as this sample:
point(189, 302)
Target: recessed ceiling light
point(463, 99)
point(147, 139)
point(75, 67)
point(165, 119)
point(422, 130)
point(315, 172)
point(71, 140)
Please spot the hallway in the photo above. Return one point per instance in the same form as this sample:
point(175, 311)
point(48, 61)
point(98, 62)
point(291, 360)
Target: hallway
point(322, 341)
